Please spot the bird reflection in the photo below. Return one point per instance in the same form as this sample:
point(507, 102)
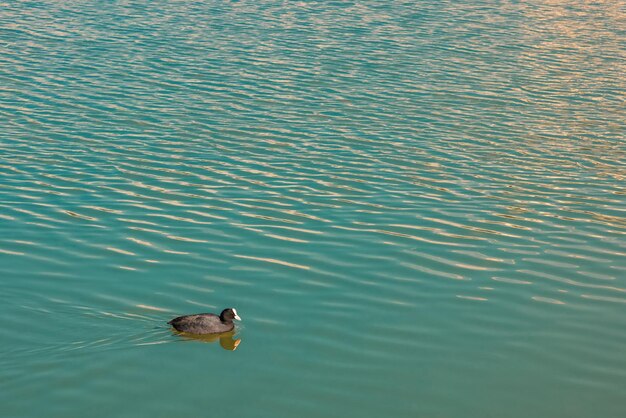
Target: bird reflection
point(226, 339)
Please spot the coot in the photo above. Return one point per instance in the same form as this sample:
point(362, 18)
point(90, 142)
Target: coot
point(206, 323)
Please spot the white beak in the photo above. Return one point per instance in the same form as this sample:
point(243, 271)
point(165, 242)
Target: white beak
point(236, 316)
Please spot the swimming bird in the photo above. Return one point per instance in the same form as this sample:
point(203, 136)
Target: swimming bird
point(206, 323)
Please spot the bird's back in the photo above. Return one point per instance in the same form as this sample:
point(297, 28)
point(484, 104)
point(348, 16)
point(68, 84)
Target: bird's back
point(205, 323)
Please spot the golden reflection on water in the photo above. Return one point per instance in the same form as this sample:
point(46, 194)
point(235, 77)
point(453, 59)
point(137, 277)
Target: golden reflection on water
point(227, 339)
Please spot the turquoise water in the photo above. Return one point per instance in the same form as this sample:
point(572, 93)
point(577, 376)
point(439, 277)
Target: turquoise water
point(417, 208)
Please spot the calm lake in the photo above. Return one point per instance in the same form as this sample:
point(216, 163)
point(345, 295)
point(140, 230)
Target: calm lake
point(417, 208)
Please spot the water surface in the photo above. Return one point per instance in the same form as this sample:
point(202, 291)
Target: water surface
point(418, 208)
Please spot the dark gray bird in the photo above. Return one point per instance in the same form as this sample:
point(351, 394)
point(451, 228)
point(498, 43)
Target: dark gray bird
point(206, 323)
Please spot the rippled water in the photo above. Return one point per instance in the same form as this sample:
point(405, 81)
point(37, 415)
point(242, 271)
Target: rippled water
point(418, 208)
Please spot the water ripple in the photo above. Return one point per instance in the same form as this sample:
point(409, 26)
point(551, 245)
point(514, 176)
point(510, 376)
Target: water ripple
point(444, 181)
